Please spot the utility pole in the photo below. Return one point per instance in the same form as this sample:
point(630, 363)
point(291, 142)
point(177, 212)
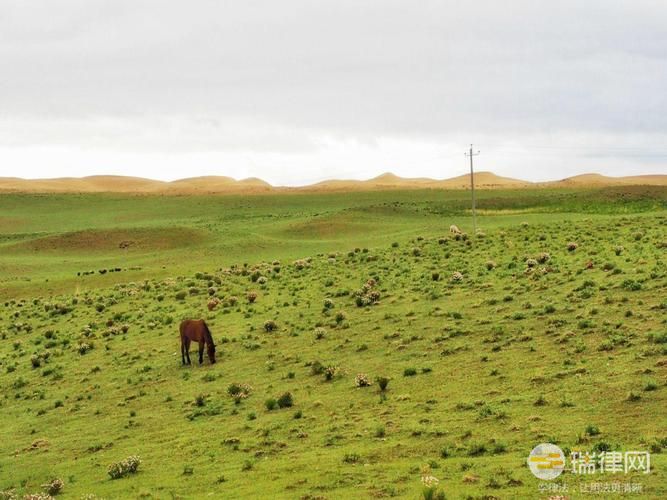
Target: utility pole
point(472, 190)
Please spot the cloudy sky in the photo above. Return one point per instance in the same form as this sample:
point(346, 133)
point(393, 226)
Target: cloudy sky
point(295, 91)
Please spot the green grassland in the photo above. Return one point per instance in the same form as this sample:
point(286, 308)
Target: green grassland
point(490, 346)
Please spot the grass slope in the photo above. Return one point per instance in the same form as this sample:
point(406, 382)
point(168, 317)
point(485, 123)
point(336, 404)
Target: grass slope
point(532, 342)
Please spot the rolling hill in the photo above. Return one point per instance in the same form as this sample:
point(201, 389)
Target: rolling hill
point(224, 185)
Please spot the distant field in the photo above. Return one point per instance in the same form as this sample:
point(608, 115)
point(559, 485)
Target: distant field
point(550, 327)
point(47, 239)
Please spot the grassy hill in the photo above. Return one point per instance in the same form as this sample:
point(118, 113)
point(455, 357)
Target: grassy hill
point(550, 327)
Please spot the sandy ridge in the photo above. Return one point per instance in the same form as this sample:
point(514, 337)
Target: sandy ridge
point(221, 184)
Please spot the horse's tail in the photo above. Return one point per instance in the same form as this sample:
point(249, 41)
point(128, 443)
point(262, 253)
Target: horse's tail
point(209, 337)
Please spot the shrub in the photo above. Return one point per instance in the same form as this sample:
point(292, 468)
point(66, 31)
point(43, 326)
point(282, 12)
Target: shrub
point(457, 277)
point(572, 246)
point(540, 401)
point(592, 430)
point(301, 264)
point(601, 446)
point(543, 257)
point(362, 380)
point(631, 285)
point(490, 265)
point(658, 337)
point(476, 449)
point(340, 317)
point(251, 297)
point(383, 382)
point(286, 400)
point(316, 368)
point(328, 304)
point(531, 263)
point(35, 361)
point(618, 250)
point(54, 486)
point(124, 468)
point(416, 251)
point(409, 372)
point(651, 385)
point(499, 448)
point(366, 296)
point(331, 371)
point(271, 404)
point(84, 347)
point(239, 391)
point(270, 325)
point(181, 295)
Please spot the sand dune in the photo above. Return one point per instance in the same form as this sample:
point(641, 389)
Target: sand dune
point(216, 184)
point(222, 184)
point(391, 181)
point(603, 180)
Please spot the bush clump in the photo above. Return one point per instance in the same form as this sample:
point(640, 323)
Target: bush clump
point(543, 257)
point(286, 400)
point(124, 468)
point(330, 372)
point(53, 487)
point(383, 382)
point(270, 326)
point(239, 390)
point(84, 347)
point(367, 295)
point(320, 333)
point(271, 404)
point(362, 380)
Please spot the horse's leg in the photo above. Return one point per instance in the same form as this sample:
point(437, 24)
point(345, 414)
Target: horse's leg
point(182, 351)
point(201, 352)
point(187, 349)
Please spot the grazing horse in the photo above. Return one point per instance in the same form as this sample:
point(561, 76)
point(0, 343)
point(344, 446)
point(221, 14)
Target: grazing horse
point(195, 330)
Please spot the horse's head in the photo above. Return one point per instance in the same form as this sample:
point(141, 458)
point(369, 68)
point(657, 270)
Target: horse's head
point(211, 352)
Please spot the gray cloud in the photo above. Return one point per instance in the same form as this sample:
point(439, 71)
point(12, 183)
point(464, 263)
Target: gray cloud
point(272, 77)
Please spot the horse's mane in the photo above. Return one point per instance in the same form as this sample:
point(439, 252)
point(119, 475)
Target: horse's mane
point(209, 337)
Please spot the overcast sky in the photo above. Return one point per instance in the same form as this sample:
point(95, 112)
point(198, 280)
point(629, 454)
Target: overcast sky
point(295, 91)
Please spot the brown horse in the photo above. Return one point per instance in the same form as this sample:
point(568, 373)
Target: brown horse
point(195, 330)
